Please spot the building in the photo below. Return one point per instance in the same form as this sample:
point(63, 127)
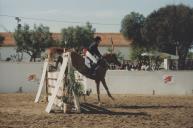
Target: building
point(8, 47)
point(109, 40)
point(114, 41)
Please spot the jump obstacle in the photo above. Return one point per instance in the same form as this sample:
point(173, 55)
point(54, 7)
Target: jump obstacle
point(55, 81)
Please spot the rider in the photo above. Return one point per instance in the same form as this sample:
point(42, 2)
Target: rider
point(93, 49)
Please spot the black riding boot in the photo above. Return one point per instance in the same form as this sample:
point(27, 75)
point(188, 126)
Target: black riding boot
point(93, 69)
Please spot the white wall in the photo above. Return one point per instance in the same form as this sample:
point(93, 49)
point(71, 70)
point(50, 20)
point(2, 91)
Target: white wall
point(144, 82)
point(14, 75)
point(6, 52)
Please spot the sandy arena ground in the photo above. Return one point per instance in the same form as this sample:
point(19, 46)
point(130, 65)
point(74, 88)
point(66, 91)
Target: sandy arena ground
point(128, 111)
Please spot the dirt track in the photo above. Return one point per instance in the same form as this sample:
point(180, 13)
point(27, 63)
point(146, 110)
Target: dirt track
point(19, 110)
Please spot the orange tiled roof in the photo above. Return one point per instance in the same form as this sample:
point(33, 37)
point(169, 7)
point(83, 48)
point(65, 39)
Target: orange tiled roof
point(9, 40)
point(117, 38)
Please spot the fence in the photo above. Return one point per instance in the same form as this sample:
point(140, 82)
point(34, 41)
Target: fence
point(147, 82)
point(14, 76)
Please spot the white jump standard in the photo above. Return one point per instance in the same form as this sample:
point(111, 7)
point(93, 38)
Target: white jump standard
point(58, 84)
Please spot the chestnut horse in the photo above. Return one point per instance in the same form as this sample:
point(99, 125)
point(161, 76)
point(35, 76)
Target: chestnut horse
point(78, 63)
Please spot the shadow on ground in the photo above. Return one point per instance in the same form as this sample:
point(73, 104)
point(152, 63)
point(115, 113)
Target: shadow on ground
point(93, 109)
point(147, 107)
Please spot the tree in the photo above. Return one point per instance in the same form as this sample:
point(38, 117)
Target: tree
point(131, 26)
point(170, 30)
point(136, 53)
point(190, 55)
point(77, 37)
point(33, 41)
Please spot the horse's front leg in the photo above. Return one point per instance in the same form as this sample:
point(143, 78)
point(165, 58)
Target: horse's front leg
point(106, 88)
point(98, 90)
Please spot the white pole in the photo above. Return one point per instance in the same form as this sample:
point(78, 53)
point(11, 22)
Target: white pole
point(42, 81)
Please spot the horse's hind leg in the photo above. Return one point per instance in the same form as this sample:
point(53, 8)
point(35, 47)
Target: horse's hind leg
point(106, 88)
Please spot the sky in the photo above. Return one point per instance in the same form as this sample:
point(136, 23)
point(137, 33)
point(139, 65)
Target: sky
point(104, 15)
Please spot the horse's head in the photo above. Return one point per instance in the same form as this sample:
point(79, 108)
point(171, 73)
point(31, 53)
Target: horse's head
point(111, 59)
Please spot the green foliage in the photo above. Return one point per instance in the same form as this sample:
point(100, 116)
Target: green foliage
point(118, 54)
point(190, 55)
point(76, 86)
point(33, 41)
point(77, 37)
point(72, 85)
point(110, 50)
point(136, 53)
point(169, 28)
point(131, 26)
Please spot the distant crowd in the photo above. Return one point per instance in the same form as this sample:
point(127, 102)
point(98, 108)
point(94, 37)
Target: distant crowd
point(137, 66)
point(150, 66)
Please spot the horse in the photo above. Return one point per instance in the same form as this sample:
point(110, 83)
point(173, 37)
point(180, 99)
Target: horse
point(78, 62)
